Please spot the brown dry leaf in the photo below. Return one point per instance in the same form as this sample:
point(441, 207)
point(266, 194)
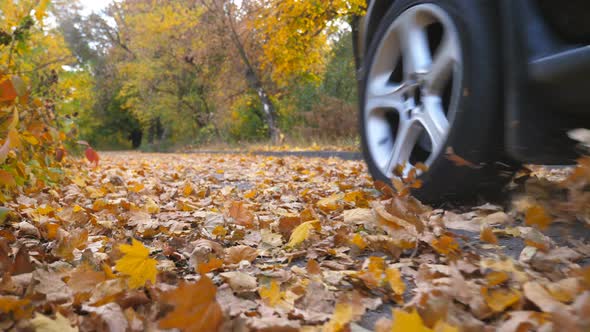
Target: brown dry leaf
point(84, 278)
point(242, 216)
point(195, 307)
point(313, 267)
point(240, 281)
point(537, 294)
point(234, 255)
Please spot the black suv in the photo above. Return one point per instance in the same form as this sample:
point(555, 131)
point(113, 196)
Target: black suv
point(471, 88)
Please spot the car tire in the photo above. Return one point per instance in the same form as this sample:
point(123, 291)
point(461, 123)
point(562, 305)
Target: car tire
point(464, 154)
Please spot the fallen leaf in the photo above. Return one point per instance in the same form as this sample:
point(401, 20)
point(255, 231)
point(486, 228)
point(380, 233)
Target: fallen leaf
point(241, 214)
point(19, 308)
point(340, 319)
point(271, 294)
point(42, 323)
point(404, 322)
point(240, 281)
point(195, 307)
point(500, 299)
point(301, 233)
point(394, 278)
point(537, 294)
point(136, 264)
point(536, 215)
point(313, 267)
point(234, 255)
point(212, 264)
point(487, 235)
point(445, 245)
point(330, 203)
point(358, 241)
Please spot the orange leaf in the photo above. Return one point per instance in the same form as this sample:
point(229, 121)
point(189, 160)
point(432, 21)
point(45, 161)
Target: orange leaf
point(214, 263)
point(487, 235)
point(19, 308)
point(496, 278)
point(195, 307)
point(445, 245)
point(241, 214)
point(6, 179)
point(537, 216)
point(7, 90)
point(458, 160)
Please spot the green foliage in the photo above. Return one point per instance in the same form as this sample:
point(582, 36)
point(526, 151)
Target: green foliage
point(246, 122)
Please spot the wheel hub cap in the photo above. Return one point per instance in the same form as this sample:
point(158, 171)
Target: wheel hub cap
point(412, 89)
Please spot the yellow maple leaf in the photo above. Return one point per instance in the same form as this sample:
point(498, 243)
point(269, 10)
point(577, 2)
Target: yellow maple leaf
point(408, 321)
point(187, 190)
point(136, 264)
point(395, 280)
point(500, 299)
point(342, 316)
point(301, 232)
point(358, 241)
point(271, 294)
point(42, 323)
point(441, 326)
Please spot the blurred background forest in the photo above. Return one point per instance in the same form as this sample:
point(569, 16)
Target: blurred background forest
point(160, 75)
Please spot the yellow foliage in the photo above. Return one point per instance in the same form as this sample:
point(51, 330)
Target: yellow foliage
point(137, 264)
point(271, 294)
point(301, 233)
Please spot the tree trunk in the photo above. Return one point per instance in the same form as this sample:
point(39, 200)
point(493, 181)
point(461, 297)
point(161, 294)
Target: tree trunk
point(255, 84)
point(270, 115)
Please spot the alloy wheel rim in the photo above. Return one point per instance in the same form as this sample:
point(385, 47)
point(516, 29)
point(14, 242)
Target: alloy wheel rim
point(412, 89)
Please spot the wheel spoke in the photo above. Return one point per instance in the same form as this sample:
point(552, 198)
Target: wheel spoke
point(441, 69)
point(414, 45)
point(388, 96)
point(406, 139)
point(434, 121)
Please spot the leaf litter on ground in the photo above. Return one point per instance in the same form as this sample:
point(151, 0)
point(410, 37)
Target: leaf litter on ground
point(251, 243)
